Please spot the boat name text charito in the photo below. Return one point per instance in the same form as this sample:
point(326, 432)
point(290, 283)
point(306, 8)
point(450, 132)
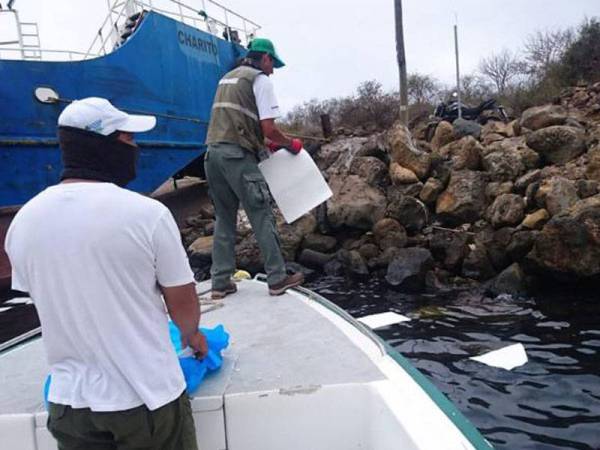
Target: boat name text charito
point(196, 42)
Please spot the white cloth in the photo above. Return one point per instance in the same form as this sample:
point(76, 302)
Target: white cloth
point(91, 255)
point(266, 102)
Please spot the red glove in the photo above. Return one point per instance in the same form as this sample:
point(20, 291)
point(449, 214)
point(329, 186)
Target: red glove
point(295, 146)
point(273, 147)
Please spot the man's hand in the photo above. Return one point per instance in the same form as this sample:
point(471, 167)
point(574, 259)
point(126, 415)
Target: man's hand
point(295, 146)
point(198, 344)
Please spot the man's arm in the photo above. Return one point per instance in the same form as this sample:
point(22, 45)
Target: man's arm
point(184, 309)
point(272, 133)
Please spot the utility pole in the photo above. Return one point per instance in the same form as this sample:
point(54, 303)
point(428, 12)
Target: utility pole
point(457, 69)
point(401, 62)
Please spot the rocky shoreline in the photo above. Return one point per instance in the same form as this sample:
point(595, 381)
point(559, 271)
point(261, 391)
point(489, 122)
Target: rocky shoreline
point(450, 206)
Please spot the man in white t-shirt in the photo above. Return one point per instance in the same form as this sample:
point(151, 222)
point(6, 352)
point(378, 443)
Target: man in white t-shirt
point(243, 115)
point(103, 266)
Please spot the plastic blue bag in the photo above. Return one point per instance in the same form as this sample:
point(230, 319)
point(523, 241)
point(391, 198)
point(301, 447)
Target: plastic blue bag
point(194, 370)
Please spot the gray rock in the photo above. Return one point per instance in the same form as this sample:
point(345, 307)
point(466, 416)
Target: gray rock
point(587, 188)
point(569, 245)
point(404, 152)
point(444, 134)
point(431, 190)
point(503, 165)
point(496, 188)
point(314, 259)
point(385, 258)
point(464, 128)
point(511, 280)
point(593, 168)
point(463, 201)
point(556, 194)
point(521, 243)
point(543, 116)
point(389, 232)
point(354, 264)
point(354, 203)
point(407, 271)
point(319, 242)
point(371, 169)
point(449, 247)
point(410, 212)
point(477, 264)
point(525, 180)
point(558, 144)
point(506, 210)
point(292, 235)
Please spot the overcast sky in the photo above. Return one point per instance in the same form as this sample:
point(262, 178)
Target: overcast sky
point(330, 46)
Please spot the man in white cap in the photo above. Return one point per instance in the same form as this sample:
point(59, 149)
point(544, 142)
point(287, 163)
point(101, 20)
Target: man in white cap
point(95, 259)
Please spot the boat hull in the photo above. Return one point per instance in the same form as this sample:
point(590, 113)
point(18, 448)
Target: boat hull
point(165, 68)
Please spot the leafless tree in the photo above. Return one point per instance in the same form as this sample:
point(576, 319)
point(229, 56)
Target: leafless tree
point(501, 69)
point(423, 89)
point(543, 49)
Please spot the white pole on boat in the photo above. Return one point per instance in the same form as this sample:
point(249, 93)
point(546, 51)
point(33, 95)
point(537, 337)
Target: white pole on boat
point(19, 35)
point(457, 66)
point(113, 30)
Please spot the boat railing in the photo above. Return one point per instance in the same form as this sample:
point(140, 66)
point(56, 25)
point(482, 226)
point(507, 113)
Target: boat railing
point(209, 16)
point(119, 24)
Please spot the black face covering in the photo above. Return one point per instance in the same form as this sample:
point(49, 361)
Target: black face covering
point(91, 156)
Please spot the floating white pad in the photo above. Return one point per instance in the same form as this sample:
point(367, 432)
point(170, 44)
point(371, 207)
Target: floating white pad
point(295, 183)
point(18, 301)
point(505, 358)
point(383, 320)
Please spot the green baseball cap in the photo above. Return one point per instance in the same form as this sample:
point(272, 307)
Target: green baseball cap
point(266, 46)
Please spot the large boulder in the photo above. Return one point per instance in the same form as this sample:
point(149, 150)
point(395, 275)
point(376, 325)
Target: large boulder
point(401, 175)
point(407, 271)
point(464, 153)
point(354, 203)
point(463, 201)
point(404, 152)
point(371, 169)
point(431, 190)
point(389, 233)
point(506, 210)
point(444, 134)
point(569, 244)
point(319, 242)
point(410, 212)
point(449, 247)
point(292, 235)
point(556, 194)
point(353, 263)
point(543, 116)
point(558, 144)
point(477, 264)
point(593, 167)
point(337, 156)
point(504, 165)
point(463, 127)
point(498, 128)
point(511, 280)
point(536, 219)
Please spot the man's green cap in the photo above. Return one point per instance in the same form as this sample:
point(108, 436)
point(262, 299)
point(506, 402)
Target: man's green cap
point(266, 46)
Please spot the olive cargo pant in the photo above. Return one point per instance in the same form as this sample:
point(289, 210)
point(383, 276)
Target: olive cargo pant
point(233, 178)
point(170, 427)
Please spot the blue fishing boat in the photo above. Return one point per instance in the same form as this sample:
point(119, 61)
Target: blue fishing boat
point(165, 61)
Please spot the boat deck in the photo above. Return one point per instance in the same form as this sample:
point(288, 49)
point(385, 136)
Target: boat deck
point(277, 344)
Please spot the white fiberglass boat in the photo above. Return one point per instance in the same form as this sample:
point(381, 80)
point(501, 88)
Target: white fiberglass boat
point(299, 373)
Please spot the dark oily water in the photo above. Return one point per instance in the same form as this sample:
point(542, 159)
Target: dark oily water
point(551, 402)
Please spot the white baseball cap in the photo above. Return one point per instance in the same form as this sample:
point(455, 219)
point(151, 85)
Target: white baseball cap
point(100, 116)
